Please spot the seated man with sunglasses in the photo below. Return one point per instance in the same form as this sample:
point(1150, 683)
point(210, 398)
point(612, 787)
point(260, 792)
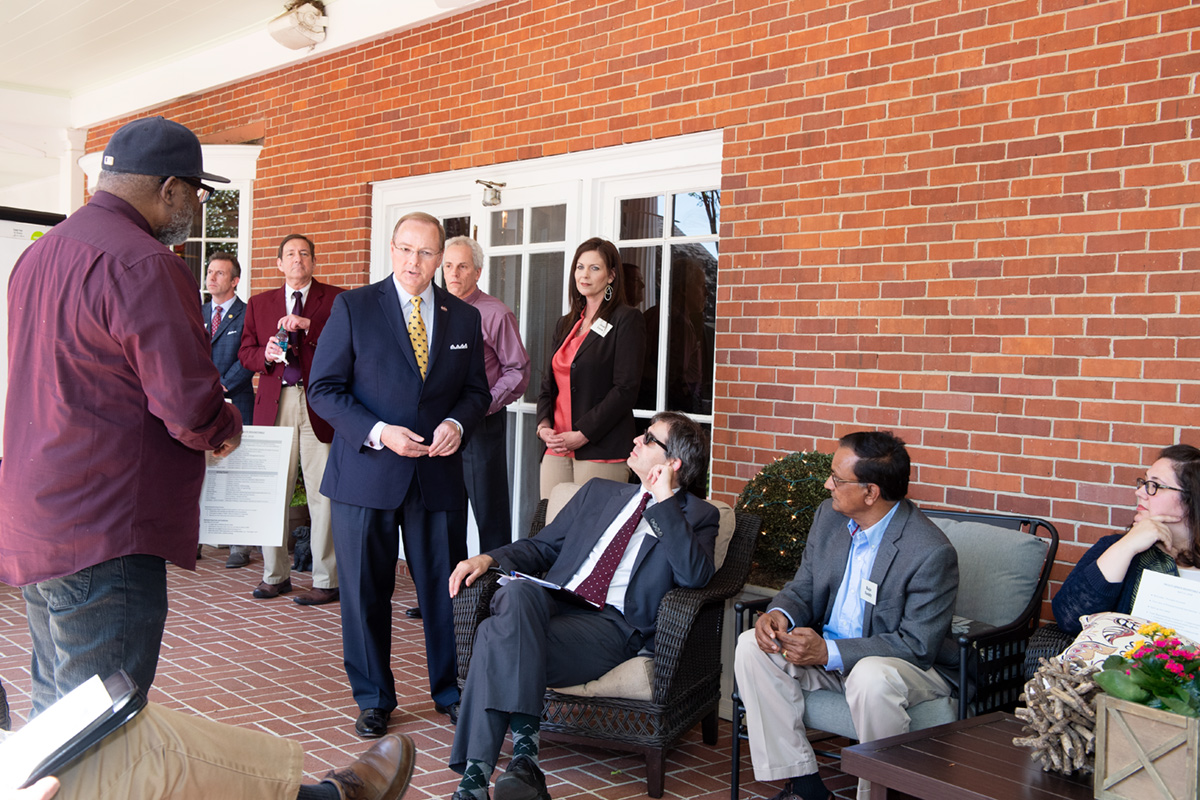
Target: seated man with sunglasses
point(620, 546)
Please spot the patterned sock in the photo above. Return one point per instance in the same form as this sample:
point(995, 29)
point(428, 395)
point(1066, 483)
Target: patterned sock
point(475, 779)
point(810, 787)
point(526, 734)
point(319, 791)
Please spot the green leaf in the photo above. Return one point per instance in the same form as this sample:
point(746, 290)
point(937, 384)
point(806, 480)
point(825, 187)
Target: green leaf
point(1116, 662)
point(1179, 707)
point(1118, 684)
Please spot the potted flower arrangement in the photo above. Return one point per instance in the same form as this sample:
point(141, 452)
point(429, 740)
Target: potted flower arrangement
point(1148, 719)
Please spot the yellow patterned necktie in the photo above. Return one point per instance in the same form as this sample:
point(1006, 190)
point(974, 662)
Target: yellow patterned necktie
point(416, 334)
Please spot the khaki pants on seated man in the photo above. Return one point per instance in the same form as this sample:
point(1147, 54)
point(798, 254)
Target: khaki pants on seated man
point(879, 692)
point(865, 615)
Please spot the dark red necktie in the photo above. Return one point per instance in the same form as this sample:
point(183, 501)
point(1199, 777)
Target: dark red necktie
point(216, 320)
point(595, 586)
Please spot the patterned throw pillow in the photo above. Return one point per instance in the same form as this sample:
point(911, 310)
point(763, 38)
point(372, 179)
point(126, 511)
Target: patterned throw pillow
point(1105, 635)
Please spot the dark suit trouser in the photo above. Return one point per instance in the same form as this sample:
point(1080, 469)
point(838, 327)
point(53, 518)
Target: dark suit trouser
point(485, 471)
point(365, 542)
point(531, 641)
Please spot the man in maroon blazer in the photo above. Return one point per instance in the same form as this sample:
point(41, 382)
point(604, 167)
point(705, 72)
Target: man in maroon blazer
point(112, 399)
point(301, 307)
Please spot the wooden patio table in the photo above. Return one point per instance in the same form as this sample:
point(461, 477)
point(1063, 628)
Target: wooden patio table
point(971, 759)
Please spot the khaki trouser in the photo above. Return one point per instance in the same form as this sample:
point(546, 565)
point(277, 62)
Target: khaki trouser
point(164, 753)
point(558, 469)
point(311, 454)
point(878, 691)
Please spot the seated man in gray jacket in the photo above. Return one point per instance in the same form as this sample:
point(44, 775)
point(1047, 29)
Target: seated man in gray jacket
point(865, 615)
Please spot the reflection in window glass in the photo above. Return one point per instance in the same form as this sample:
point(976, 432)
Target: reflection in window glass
point(643, 266)
point(642, 217)
point(221, 215)
point(548, 224)
point(692, 329)
point(697, 213)
point(545, 309)
point(504, 281)
point(507, 227)
point(457, 226)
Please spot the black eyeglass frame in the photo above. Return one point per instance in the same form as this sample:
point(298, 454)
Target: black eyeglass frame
point(1152, 487)
point(649, 438)
point(204, 192)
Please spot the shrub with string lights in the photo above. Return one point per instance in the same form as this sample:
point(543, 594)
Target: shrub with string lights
point(785, 495)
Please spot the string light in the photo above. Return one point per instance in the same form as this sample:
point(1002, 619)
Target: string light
point(785, 494)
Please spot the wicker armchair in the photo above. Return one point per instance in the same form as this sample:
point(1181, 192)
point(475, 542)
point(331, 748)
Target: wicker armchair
point(687, 665)
point(996, 553)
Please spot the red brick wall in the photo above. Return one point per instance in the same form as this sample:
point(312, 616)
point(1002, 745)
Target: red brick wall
point(972, 222)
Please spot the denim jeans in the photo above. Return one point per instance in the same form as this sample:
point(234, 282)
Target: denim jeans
point(94, 622)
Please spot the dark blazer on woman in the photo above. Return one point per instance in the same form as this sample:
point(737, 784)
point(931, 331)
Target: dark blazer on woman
point(605, 377)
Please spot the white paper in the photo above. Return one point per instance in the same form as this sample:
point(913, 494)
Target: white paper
point(50, 731)
point(1171, 601)
point(245, 495)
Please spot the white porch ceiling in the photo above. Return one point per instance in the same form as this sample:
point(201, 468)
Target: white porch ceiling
point(66, 65)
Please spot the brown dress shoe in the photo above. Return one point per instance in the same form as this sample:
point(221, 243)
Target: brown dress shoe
point(381, 773)
point(317, 597)
point(265, 591)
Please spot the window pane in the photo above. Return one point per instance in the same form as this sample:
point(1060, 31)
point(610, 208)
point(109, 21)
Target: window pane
point(641, 217)
point(221, 247)
point(697, 213)
point(221, 215)
point(643, 270)
point(504, 281)
point(548, 224)
point(457, 226)
point(691, 332)
point(527, 485)
point(508, 227)
point(545, 308)
point(191, 253)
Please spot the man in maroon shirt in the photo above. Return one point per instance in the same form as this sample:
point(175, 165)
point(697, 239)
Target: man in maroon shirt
point(112, 400)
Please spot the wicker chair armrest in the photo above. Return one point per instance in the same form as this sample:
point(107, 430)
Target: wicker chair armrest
point(472, 605)
point(675, 628)
point(1047, 641)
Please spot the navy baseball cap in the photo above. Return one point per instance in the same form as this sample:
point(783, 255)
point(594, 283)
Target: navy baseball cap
point(156, 146)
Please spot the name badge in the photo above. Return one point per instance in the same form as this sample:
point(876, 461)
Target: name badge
point(867, 591)
point(601, 327)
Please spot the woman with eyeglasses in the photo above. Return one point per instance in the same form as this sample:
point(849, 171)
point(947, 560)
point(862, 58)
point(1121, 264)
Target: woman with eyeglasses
point(1162, 538)
point(585, 408)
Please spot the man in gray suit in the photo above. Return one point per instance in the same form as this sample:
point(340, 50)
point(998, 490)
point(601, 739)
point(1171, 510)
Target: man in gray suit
point(620, 545)
point(865, 615)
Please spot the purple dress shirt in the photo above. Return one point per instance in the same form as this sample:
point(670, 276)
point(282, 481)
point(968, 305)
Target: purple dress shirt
point(504, 357)
point(112, 399)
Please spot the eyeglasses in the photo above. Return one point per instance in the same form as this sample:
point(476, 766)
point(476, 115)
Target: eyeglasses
point(424, 255)
point(203, 191)
point(837, 482)
point(649, 438)
point(1152, 487)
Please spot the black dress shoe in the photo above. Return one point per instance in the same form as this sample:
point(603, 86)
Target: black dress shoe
point(371, 723)
point(460, 794)
point(523, 780)
point(451, 711)
point(413, 613)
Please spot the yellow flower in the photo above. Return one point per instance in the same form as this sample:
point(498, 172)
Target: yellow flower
point(1153, 631)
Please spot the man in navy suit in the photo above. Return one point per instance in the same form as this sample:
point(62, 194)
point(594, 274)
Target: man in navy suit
point(620, 545)
point(400, 376)
point(225, 314)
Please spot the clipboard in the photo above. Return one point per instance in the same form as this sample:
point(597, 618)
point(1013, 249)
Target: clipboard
point(65, 731)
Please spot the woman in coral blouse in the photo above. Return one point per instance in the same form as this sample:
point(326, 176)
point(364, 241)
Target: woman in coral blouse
point(585, 408)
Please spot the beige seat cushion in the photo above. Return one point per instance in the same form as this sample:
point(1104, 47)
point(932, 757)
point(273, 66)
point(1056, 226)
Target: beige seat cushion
point(633, 679)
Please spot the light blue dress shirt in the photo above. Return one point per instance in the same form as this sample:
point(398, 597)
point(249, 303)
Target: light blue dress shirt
point(849, 606)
